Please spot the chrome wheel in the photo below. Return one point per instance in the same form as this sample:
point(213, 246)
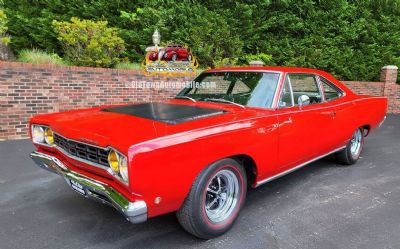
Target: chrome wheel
point(356, 144)
point(222, 196)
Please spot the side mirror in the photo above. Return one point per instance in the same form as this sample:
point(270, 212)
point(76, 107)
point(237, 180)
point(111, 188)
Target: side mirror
point(303, 100)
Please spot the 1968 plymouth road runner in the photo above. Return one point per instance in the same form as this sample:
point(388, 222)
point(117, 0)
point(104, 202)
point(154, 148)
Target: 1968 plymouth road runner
point(197, 154)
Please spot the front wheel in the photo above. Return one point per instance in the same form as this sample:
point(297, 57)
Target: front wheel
point(215, 199)
point(351, 153)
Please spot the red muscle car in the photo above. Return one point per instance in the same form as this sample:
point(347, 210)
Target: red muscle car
point(199, 153)
point(176, 52)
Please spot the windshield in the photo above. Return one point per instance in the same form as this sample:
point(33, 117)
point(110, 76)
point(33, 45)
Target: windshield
point(255, 89)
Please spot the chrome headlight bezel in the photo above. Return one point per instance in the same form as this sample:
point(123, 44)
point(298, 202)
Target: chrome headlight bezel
point(36, 130)
point(120, 171)
point(123, 168)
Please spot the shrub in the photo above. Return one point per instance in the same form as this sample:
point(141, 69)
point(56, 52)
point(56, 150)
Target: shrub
point(225, 62)
point(89, 43)
point(266, 58)
point(128, 65)
point(40, 57)
point(3, 27)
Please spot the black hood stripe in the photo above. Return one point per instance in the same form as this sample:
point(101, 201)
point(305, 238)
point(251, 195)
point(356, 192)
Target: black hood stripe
point(167, 113)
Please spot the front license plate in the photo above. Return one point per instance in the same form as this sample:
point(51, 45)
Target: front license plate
point(77, 187)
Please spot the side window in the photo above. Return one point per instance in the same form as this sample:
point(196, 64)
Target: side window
point(330, 91)
point(285, 100)
point(305, 84)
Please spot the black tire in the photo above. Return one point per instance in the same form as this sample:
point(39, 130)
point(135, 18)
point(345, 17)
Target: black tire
point(193, 215)
point(346, 156)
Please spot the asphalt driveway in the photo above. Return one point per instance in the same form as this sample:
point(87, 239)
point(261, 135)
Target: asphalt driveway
point(323, 205)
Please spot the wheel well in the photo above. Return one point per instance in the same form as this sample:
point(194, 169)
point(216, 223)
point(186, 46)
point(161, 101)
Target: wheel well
point(366, 128)
point(249, 165)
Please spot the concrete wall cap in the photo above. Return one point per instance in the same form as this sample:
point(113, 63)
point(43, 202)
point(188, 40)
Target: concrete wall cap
point(392, 67)
point(256, 63)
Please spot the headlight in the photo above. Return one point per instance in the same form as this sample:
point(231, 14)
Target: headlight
point(113, 160)
point(48, 136)
point(119, 165)
point(37, 134)
point(42, 134)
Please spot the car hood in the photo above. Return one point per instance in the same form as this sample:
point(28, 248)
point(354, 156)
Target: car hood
point(125, 125)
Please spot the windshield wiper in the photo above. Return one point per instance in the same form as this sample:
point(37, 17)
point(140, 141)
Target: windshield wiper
point(185, 97)
point(224, 101)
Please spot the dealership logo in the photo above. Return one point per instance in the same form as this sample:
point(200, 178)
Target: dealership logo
point(169, 60)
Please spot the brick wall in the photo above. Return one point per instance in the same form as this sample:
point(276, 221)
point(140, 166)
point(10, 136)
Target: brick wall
point(366, 88)
point(27, 90)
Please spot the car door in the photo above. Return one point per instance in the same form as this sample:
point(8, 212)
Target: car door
point(301, 128)
point(334, 107)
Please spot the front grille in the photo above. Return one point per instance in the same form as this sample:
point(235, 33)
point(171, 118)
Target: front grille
point(81, 150)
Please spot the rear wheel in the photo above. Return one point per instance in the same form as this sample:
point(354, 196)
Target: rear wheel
point(354, 147)
point(215, 199)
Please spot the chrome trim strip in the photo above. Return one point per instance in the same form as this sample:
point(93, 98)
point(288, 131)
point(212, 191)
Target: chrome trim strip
point(333, 85)
point(259, 183)
point(135, 212)
point(275, 99)
point(383, 120)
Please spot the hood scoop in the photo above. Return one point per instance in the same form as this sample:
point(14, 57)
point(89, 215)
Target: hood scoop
point(166, 113)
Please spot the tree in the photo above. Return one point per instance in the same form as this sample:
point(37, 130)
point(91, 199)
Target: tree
point(352, 39)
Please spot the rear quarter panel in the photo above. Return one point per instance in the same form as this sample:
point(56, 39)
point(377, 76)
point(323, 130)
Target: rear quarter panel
point(358, 111)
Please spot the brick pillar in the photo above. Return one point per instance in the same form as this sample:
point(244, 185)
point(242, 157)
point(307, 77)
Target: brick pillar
point(391, 89)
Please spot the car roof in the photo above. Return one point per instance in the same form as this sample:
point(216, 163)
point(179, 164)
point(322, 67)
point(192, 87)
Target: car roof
point(268, 68)
point(326, 75)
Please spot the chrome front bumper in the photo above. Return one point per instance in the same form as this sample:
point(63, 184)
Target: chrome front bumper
point(134, 212)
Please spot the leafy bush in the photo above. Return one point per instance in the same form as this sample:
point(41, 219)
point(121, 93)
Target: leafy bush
point(3, 27)
point(266, 58)
point(89, 43)
point(128, 65)
point(226, 62)
point(40, 57)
